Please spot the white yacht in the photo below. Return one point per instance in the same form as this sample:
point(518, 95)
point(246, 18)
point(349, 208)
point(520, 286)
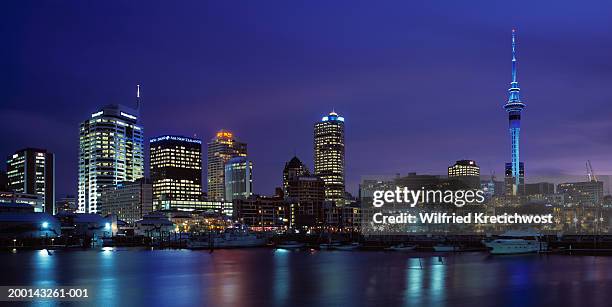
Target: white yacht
point(517, 242)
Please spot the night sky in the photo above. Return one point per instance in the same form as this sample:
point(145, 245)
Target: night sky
point(420, 84)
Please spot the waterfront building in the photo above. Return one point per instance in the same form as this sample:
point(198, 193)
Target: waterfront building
point(32, 171)
point(329, 151)
point(587, 193)
point(28, 225)
point(307, 197)
point(33, 201)
point(176, 169)
point(238, 178)
point(91, 225)
point(293, 169)
point(111, 151)
point(467, 172)
point(66, 204)
point(262, 213)
point(129, 201)
point(221, 149)
point(155, 224)
point(515, 171)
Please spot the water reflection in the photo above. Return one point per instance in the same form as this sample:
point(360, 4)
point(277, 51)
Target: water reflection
point(265, 277)
point(281, 277)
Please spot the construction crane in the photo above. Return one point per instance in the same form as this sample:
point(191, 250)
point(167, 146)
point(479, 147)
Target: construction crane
point(590, 173)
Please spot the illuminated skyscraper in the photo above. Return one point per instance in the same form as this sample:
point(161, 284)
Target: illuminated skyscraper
point(176, 169)
point(467, 172)
point(32, 171)
point(110, 152)
point(329, 155)
point(515, 176)
point(221, 149)
point(238, 178)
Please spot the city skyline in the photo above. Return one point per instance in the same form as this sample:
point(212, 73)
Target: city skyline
point(373, 75)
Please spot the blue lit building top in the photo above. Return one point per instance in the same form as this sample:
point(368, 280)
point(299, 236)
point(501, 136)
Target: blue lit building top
point(175, 138)
point(333, 116)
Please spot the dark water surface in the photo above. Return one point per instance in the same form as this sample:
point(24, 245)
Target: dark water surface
point(267, 277)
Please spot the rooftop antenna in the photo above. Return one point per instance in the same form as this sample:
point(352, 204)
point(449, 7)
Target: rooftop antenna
point(138, 97)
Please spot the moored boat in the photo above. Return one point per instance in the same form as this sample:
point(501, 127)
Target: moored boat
point(290, 245)
point(516, 242)
point(348, 247)
point(231, 238)
point(445, 248)
point(331, 245)
point(401, 247)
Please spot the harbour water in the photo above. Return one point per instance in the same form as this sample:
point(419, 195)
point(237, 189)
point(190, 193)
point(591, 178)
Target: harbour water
point(269, 277)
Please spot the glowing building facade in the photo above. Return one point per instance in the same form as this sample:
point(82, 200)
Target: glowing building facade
point(110, 151)
point(238, 178)
point(221, 149)
point(467, 172)
point(32, 171)
point(329, 156)
point(176, 169)
point(515, 175)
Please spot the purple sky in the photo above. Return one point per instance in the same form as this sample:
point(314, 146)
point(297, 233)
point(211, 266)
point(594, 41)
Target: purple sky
point(420, 84)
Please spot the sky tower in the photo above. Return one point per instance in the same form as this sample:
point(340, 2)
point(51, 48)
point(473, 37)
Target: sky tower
point(515, 172)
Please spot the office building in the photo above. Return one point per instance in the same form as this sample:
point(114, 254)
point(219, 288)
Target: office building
point(110, 152)
point(293, 169)
point(587, 193)
point(32, 171)
point(31, 202)
point(467, 172)
point(329, 153)
point(262, 212)
point(176, 169)
point(221, 149)
point(238, 178)
point(129, 201)
point(306, 194)
point(515, 170)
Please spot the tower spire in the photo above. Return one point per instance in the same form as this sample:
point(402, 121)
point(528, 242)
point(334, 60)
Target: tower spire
point(138, 97)
point(514, 91)
point(515, 171)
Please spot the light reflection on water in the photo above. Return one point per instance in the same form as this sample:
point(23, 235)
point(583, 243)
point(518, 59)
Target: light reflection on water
point(266, 277)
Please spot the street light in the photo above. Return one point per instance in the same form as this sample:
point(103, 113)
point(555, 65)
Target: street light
point(45, 225)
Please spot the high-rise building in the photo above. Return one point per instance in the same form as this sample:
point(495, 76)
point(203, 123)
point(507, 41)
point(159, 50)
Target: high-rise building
point(129, 201)
point(238, 178)
point(3, 181)
point(110, 152)
point(511, 186)
point(293, 169)
point(467, 172)
point(176, 169)
point(329, 155)
point(32, 171)
point(516, 177)
point(221, 149)
point(585, 193)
